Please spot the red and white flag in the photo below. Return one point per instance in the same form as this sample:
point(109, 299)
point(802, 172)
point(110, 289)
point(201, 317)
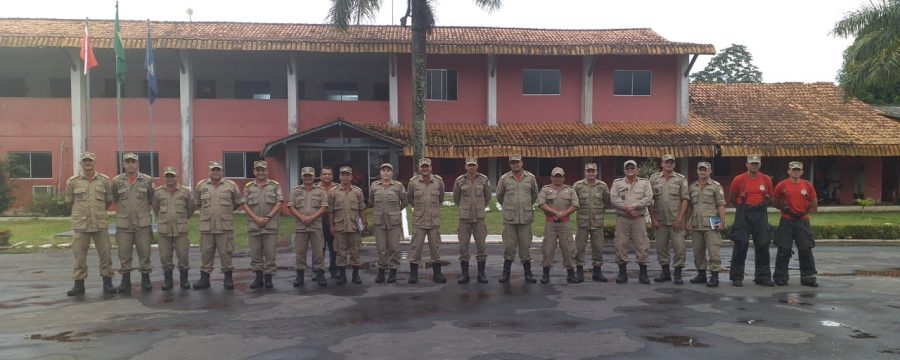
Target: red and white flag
point(87, 50)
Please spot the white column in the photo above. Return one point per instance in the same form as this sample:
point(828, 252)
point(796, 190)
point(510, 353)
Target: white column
point(292, 165)
point(76, 80)
point(492, 174)
point(392, 90)
point(492, 90)
point(186, 87)
point(292, 93)
point(681, 90)
point(587, 90)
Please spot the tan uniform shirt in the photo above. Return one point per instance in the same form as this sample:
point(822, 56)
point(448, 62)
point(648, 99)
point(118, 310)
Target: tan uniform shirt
point(173, 209)
point(89, 198)
point(326, 216)
point(308, 203)
point(516, 197)
point(345, 206)
point(472, 196)
point(667, 196)
point(217, 204)
point(262, 199)
point(705, 202)
point(638, 195)
point(133, 201)
point(387, 203)
point(592, 200)
point(558, 199)
point(426, 199)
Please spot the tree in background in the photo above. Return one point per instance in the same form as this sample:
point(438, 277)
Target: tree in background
point(733, 64)
point(6, 197)
point(871, 70)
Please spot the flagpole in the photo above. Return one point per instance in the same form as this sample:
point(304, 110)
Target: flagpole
point(150, 103)
point(87, 86)
point(118, 94)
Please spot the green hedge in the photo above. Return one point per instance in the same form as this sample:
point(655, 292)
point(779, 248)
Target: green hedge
point(888, 232)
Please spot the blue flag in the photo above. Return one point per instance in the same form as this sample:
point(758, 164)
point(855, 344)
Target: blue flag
point(150, 67)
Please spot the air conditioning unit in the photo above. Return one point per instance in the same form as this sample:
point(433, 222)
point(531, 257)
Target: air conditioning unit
point(43, 189)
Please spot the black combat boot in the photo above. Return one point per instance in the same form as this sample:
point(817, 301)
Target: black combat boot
point(125, 285)
point(464, 275)
point(257, 281)
point(700, 278)
point(809, 281)
point(643, 278)
point(713, 279)
point(228, 283)
point(579, 273)
point(108, 286)
point(146, 285)
point(392, 276)
point(482, 279)
point(545, 279)
point(203, 283)
point(298, 280)
point(571, 277)
point(677, 276)
point(78, 289)
point(342, 275)
point(598, 275)
point(504, 276)
point(666, 275)
point(437, 277)
point(623, 275)
point(380, 277)
point(529, 277)
point(267, 280)
point(320, 277)
point(413, 273)
point(183, 279)
point(168, 282)
point(355, 279)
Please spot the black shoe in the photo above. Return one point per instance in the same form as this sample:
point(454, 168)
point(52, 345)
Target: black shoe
point(146, 285)
point(713, 279)
point(464, 273)
point(763, 282)
point(298, 280)
point(183, 279)
point(125, 285)
point(342, 275)
point(598, 275)
point(623, 275)
point(258, 281)
point(546, 277)
point(392, 276)
point(77, 289)
point(267, 280)
point(413, 273)
point(228, 283)
point(168, 282)
point(571, 278)
point(737, 283)
point(334, 272)
point(529, 277)
point(700, 278)
point(809, 281)
point(355, 279)
point(779, 282)
point(579, 273)
point(320, 278)
point(665, 275)
point(108, 287)
point(380, 277)
point(676, 278)
point(643, 278)
point(437, 277)
point(482, 279)
point(203, 283)
point(504, 276)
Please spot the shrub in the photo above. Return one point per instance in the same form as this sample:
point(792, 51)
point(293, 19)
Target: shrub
point(6, 197)
point(48, 205)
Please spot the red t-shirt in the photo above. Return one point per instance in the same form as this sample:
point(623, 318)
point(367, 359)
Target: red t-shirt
point(797, 196)
point(755, 189)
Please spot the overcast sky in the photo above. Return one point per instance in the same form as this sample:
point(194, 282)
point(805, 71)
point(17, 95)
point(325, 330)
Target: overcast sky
point(789, 39)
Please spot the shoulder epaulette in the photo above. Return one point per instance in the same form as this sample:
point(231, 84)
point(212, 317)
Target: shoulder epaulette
point(103, 175)
point(231, 182)
point(145, 176)
point(463, 176)
point(618, 179)
point(72, 178)
point(528, 173)
point(275, 182)
point(415, 177)
point(437, 177)
point(159, 187)
point(117, 176)
point(714, 182)
point(200, 182)
point(678, 174)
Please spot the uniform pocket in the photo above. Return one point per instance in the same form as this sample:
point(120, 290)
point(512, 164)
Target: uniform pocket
point(205, 199)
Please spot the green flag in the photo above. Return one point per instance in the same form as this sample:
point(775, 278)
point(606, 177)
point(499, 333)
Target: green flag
point(120, 51)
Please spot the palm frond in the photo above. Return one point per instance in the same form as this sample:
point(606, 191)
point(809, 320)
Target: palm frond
point(489, 5)
point(884, 15)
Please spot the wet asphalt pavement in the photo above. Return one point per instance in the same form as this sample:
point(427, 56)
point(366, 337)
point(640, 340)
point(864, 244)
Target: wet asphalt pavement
point(854, 314)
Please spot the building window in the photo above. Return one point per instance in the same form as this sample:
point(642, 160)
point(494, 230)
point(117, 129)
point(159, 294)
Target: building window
point(539, 166)
point(206, 89)
point(165, 89)
point(240, 164)
point(12, 87)
point(109, 88)
point(341, 91)
point(30, 165)
point(632, 82)
point(148, 163)
point(60, 88)
point(440, 84)
point(721, 166)
point(381, 91)
point(257, 90)
point(540, 82)
point(301, 90)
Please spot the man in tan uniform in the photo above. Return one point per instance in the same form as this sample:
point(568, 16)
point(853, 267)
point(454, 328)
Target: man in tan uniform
point(426, 193)
point(348, 221)
point(472, 192)
point(216, 198)
point(262, 200)
point(707, 201)
point(517, 191)
point(387, 197)
point(307, 203)
point(670, 203)
point(593, 199)
point(133, 193)
point(631, 196)
point(90, 194)
point(558, 201)
point(173, 205)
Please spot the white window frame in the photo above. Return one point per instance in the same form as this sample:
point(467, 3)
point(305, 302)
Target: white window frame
point(249, 175)
point(30, 165)
point(443, 82)
point(632, 82)
point(558, 71)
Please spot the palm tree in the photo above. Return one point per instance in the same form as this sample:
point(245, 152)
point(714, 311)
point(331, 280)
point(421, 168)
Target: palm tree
point(873, 60)
point(345, 12)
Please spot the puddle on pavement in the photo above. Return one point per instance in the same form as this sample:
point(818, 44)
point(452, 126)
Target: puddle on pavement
point(16, 304)
point(677, 340)
point(856, 333)
point(492, 324)
point(795, 299)
point(859, 334)
point(895, 351)
point(65, 336)
point(589, 298)
point(889, 272)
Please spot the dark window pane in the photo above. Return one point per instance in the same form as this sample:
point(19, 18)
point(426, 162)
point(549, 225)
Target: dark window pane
point(252, 90)
point(721, 166)
point(622, 83)
point(341, 91)
point(12, 87)
point(301, 90)
point(206, 89)
point(251, 158)
point(531, 82)
point(19, 166)
point(60, 88)
point(109, 88)
point(641, 81)
point(41, 165)
point(550, 82)
point(451, 84)
point(435, 81)
point(234, 165)
point(381, 91)
point(545, 166)
point(530, 165)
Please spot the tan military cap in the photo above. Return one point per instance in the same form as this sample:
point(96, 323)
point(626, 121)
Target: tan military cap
point(386, 165)
point(170, 170)
point(704, 164)
point(87, 155)
point(753, 158)
point(668, 157)
point(632, 162)
point(424, 161)
point(130, 156)
point(515, 157)
point(346, 169)
point(307, 170)
point(215, 164)
point(557, 171)
point(471, 160)
point(795, 165)
point(260, 164)
point(590, 166)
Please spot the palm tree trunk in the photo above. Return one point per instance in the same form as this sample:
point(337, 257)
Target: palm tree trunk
point(419, 30)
